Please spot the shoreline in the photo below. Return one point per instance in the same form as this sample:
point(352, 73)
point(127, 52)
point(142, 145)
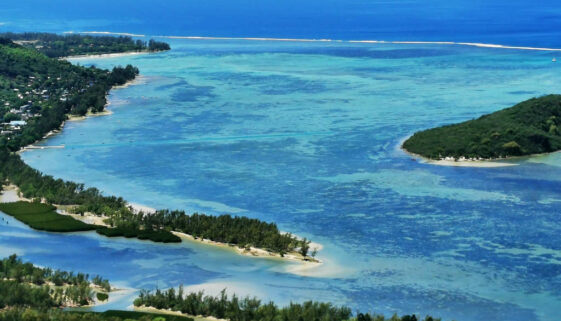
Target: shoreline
point(176, 313)
point(483, 163)
point(111, 55)
point(12, 194)
point(253, 251)
point(106, 112)
point(137, 208)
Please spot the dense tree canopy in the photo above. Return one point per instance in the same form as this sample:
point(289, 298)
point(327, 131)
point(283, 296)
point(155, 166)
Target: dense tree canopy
point(530, 127)
point(25, 285)
point(235, 308)
point(55, 46)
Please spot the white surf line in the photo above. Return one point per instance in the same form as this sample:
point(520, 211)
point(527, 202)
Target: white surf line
point(471, 44)
point(105, 33)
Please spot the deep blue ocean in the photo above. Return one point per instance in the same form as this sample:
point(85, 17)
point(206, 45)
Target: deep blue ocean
point(307, 135)
point(512, 22)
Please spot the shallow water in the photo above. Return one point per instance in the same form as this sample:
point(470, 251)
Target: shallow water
point(307, 135)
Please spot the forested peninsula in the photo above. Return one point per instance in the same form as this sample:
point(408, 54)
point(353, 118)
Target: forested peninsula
point(530, 127)
point(56, 46)
point(37, 94)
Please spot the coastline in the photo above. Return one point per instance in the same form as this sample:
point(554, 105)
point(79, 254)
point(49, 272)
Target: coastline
point(176, 313)
point(255, 252)
point(110, 55)
point(106, 112)
point(485, 163)
point(463, 162)
point(89, 218)
point(12, 194)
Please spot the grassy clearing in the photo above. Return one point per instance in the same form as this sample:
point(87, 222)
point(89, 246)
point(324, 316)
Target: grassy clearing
point(43, 217)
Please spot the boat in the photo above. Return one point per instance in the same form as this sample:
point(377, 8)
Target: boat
point(554, 59)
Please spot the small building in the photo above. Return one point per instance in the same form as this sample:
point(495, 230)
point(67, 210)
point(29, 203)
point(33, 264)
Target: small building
point(17, 123)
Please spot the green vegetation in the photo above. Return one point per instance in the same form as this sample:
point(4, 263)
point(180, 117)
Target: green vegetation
point(51, 89)
point(102, 296)
point(43, 217)
point(250, 309)
point(242, 231)
point(41, 91)
point(530, 127)
point(154, 235)
point(55, 46)
point(25, 285)
point(35, 314)
point(30, 293)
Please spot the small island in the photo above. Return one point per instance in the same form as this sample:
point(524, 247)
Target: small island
point(528, 128)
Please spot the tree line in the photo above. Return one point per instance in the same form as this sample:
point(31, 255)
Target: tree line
point(55, 46)
point(234, 308)
point(25, 285)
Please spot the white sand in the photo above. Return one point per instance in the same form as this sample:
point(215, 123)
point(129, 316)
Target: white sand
point(468, 163)
point(11, 194)
point(88, 218)
point(170, 312)
point(253, 251)
point(462, 162)
point(111, 55)
point(137, 208)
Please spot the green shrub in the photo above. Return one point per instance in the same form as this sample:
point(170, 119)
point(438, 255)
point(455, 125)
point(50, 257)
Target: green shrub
point(102, 296)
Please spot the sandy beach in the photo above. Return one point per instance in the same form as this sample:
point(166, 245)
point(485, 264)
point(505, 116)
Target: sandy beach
point(170, 312)
point(462, 162)
point(10, 194)
point(88, 218)
point(89, 114)
point(469, 163)
point(111, 55)
point(255, 252)
point(137, 208)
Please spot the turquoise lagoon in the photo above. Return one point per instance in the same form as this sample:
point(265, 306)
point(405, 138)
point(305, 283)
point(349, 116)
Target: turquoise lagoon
point(307, 135)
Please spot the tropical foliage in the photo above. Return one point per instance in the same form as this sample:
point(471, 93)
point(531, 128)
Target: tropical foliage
point(235, 308)
point(25, 285)
point(530, 127)
point(54, 46)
